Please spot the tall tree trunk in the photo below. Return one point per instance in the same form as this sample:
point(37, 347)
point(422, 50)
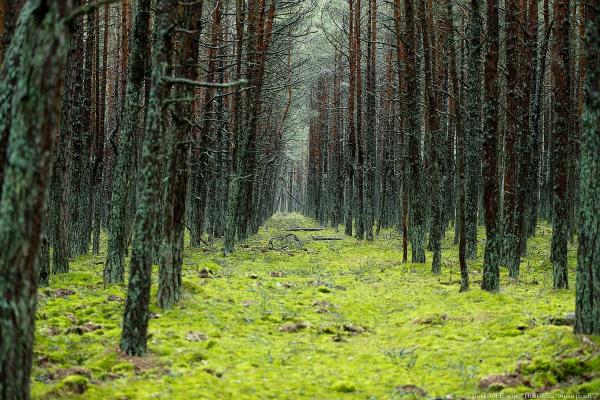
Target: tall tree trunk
point(404, 168)
point(432, 127)
point(123, 180)
point(491, 190)
point(415, 185)
point(135, 318)
point(560, 142)
point(351, 136)
point(371, 124)
point(98, 160)
point(30, 121)
point(473, 129)
point(587, 305)
point(514, 23)
point(460, 158)
point(359, 173)
point(169, 282)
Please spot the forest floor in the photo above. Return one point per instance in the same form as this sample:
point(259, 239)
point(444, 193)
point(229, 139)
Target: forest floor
point(317, 320)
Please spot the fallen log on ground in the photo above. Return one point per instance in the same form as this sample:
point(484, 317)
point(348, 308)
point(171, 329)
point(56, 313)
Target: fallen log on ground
point(301, 229)
point(327, 238)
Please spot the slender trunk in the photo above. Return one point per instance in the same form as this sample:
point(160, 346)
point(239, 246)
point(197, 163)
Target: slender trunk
point(135, 319)
point(351, 142)
point(587, 305)
point(169, 281)
point(123, 180)
point(560, 142)
point(491, 190)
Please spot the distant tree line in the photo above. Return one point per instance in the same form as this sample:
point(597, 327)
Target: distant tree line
point(463, 114)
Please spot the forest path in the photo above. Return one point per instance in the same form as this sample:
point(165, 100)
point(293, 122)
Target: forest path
point(320, 320)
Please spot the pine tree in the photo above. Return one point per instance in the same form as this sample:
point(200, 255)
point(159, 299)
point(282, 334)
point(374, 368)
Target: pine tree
point(135, 318)
point(171, 257)
point(123, 180)
point(560, 141)
point(30, 121)
point(587, 305)
point(491, 190)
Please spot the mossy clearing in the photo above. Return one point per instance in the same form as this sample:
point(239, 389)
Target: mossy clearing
point(317, 320)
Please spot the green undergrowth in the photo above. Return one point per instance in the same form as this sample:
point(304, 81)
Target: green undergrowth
point(313, 319)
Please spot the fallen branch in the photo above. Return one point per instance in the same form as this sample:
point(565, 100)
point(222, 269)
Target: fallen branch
point(301, 229)
point(214, 85)
point(327, 238)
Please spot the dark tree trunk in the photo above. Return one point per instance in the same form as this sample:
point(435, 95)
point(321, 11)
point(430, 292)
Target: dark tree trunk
point(359, 173)
point(43, 260)
point(351, 136)
point(560, 142)
point(404, 168)
point(123, 175)
point(98, 158)
point(514, 23)
point(9, 12)
point(30, 121)
point(169, 282)
point(371, 125)
point(59, 212)
point(414, 187)
point(491, 190)
point(135, 318)
point(460, 158)
point(432, 127)
point(587, 305)
point(473, 129)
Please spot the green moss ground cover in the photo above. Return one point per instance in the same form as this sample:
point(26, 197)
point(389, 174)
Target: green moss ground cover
point(317, 320)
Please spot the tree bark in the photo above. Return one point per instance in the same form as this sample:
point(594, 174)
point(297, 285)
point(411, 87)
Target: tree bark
point(491, 190)
point(560, 142)
point(135, 318)
point(169, 282)
point(123, 179)
point(587, 305)
point(30, 120)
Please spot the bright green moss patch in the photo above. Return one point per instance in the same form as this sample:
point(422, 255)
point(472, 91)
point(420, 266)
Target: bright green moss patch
point(343, 387)
point(325, 320)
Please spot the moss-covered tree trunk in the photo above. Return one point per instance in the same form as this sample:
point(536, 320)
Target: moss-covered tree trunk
point(351, 135)
point(371, 124)
point(560, 142)
point(359, 153)
point(135, 319)
point(534, 144)
point(514, 23)
point(123, 174)
point(171, 257)
point(587, 306)
point(9, 12)
point(414, 186)
point(34, 67)
point(98, 157)
point(432, 127)
point(473, 128)
point(491, 190)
